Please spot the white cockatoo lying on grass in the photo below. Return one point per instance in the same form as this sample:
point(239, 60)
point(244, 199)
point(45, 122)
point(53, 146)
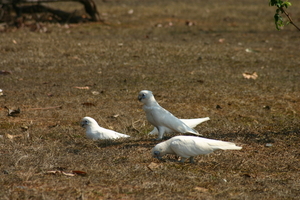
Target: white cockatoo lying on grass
point(159, 117)
point(190, 146)
point(192, 123)
point(95, 132)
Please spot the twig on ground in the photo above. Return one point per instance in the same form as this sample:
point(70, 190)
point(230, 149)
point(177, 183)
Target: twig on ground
point(46, 108)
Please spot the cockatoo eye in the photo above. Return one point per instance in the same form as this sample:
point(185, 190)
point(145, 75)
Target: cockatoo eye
point(83, 123)
point(142, 96)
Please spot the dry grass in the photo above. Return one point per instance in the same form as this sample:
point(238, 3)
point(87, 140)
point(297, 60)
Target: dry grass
point(190, 71)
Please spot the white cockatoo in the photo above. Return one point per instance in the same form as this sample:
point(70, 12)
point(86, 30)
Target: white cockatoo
point(95, 132)
point(192, 123)
point(190, 146)
point(160, 117)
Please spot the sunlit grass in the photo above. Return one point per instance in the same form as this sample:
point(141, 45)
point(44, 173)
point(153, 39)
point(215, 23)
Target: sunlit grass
point(193, 71)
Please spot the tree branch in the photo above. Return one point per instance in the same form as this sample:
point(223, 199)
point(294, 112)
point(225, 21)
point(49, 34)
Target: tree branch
point(288, 16)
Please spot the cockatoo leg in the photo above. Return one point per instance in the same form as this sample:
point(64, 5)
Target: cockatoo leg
point(161, 132)
point(192, 159)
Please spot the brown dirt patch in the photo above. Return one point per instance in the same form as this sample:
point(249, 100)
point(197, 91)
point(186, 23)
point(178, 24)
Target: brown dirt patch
point(194, 71)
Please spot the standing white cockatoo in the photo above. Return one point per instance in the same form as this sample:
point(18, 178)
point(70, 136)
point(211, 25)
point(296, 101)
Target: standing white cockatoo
point(95, 132)
point(160, 117)
point(190, 146)
point(192, 123)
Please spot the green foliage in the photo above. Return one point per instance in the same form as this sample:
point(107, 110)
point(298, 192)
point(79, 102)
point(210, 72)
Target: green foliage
point(280, 9)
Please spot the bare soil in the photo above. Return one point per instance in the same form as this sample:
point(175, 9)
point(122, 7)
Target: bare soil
point(192, 55)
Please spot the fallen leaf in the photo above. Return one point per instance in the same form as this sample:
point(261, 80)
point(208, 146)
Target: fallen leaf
point(5, 72)
point(82, 88)
point(82, 173)
point(53, 126)
point(76, 57)
point(221, 40)
point(9, 136)
point(130, 12)
point(67, 173)
point(12, 112)
point(52, 172)
point(201, 189)
point(250, 75)
point(116, 115)
point(189, 23)
point(95, 92)
point(24, 128)
point(153, 166)
point(72, 173)
point(246, 175)
point(251, 51)
point(88, 104)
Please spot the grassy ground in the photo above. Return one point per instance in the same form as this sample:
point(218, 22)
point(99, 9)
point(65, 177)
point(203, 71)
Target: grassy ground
point(193, 71)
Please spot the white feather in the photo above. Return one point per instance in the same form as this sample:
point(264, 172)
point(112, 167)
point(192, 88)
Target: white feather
point(160, 117)
point(190, 146)
point(192, 123)
point(95, 132)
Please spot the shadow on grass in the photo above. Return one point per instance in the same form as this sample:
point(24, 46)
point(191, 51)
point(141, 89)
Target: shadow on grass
point(255, 137)
point(126, 143)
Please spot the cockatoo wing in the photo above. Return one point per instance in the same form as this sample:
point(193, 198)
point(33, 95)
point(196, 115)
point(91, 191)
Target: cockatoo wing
point(160, 117)
point(224, 145)
point(216, 144)
point(109, 134)
point(185, 146)
point(192, 123)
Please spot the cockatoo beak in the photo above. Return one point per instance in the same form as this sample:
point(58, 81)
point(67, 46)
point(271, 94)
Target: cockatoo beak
point(82, 124)
point(140, 97)
point(156, 155)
